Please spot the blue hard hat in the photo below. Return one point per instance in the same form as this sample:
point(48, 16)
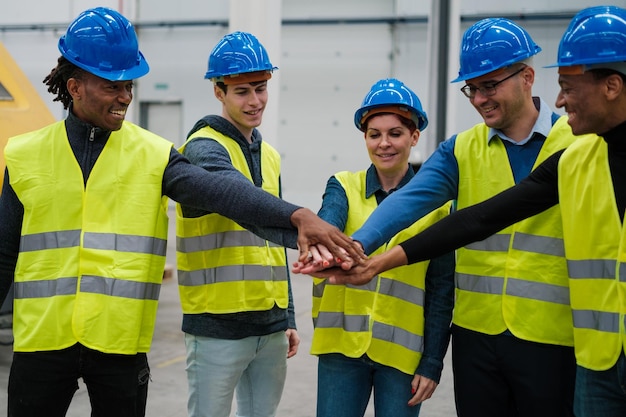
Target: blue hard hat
point(391, 92)
point(104, 43)
point(595, 35)
point(491, 44)
point(238, 53)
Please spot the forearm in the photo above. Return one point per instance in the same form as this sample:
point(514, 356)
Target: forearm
point(435, 184)
point(334, 209)
point(237, 199)
point(395, 213)
point(390, 259)
point(281, 236)
point(530, 197)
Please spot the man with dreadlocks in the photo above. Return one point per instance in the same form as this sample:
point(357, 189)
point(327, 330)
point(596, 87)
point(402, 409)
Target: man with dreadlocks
point(84, 229)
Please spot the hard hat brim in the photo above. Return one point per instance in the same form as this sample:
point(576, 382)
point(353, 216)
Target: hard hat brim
point(139, 70)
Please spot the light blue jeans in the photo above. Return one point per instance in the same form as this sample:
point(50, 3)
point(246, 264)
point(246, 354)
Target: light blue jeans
point(344, 386)
point(255, 367)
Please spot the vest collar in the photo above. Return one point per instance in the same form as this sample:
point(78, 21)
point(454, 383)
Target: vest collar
point(78, 128)
point(372, 184)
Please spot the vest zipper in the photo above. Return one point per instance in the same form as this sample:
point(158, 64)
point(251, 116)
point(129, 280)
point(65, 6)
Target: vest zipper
point(87, 157)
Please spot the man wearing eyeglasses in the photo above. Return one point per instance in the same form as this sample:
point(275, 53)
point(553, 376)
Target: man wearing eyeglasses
point(512, 332)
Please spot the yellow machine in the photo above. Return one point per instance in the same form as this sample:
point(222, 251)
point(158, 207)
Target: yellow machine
point(21, 110)
point(21, 107)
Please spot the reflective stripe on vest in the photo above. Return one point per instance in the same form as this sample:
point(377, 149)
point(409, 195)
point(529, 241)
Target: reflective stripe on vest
point(50, 240)
point(600, 321)
point(355, 320)
point(104, 241)
point(601, 270)
point(46, 288)
point(228, 239)
point(519, 275)
point(90, 254)
point(97, 285)
point(514, 287)
point(380, 331)
point(539, 244)
point(231, 273)
point(595, 247)
point(89, 284)
point(125, 243)
point(222, 267)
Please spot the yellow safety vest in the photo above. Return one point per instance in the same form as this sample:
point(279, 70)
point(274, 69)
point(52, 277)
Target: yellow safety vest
point(91, 256)
point(385, 318)
point(518, 284)
point(595, 247)
point(222, 267)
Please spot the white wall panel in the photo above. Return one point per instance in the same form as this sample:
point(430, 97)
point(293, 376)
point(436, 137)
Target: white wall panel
point(44, 11)
point(178, 61)
point(529, 6)
point(410, 65)
point(326, 71)
point(325, 9)
point(183, 10)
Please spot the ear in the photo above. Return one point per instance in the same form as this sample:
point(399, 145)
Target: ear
point(219, 93)
point(529, 75)
point(74, 88)
point(614, 86)
point(415, 136)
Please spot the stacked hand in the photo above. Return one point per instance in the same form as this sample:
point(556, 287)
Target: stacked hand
point(345, 270)
point(319, 258)
point(315, 232)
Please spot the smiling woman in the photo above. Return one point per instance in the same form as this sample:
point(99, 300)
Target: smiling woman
point(353, 325)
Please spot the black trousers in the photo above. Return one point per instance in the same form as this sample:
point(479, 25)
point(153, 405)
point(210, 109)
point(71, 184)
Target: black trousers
point(501, 375)
point(43, 383)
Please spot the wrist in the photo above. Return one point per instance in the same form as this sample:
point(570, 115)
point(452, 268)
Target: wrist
point(299, 216)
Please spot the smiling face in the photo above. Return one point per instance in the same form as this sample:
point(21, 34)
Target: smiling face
point(502, 109)
point(389, 142)
point(243, 105)
point(592, 104)
point(100, 102)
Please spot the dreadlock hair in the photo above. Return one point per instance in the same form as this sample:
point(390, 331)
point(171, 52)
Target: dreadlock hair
point(57, 80)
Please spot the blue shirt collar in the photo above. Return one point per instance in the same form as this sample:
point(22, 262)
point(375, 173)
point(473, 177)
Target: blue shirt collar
point(372, 185)
point(542, 125)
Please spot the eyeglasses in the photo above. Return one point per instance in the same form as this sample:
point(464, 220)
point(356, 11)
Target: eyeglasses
point(487, 89)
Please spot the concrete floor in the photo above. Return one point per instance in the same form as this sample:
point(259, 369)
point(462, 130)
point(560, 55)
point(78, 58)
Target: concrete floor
point(168, 390)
